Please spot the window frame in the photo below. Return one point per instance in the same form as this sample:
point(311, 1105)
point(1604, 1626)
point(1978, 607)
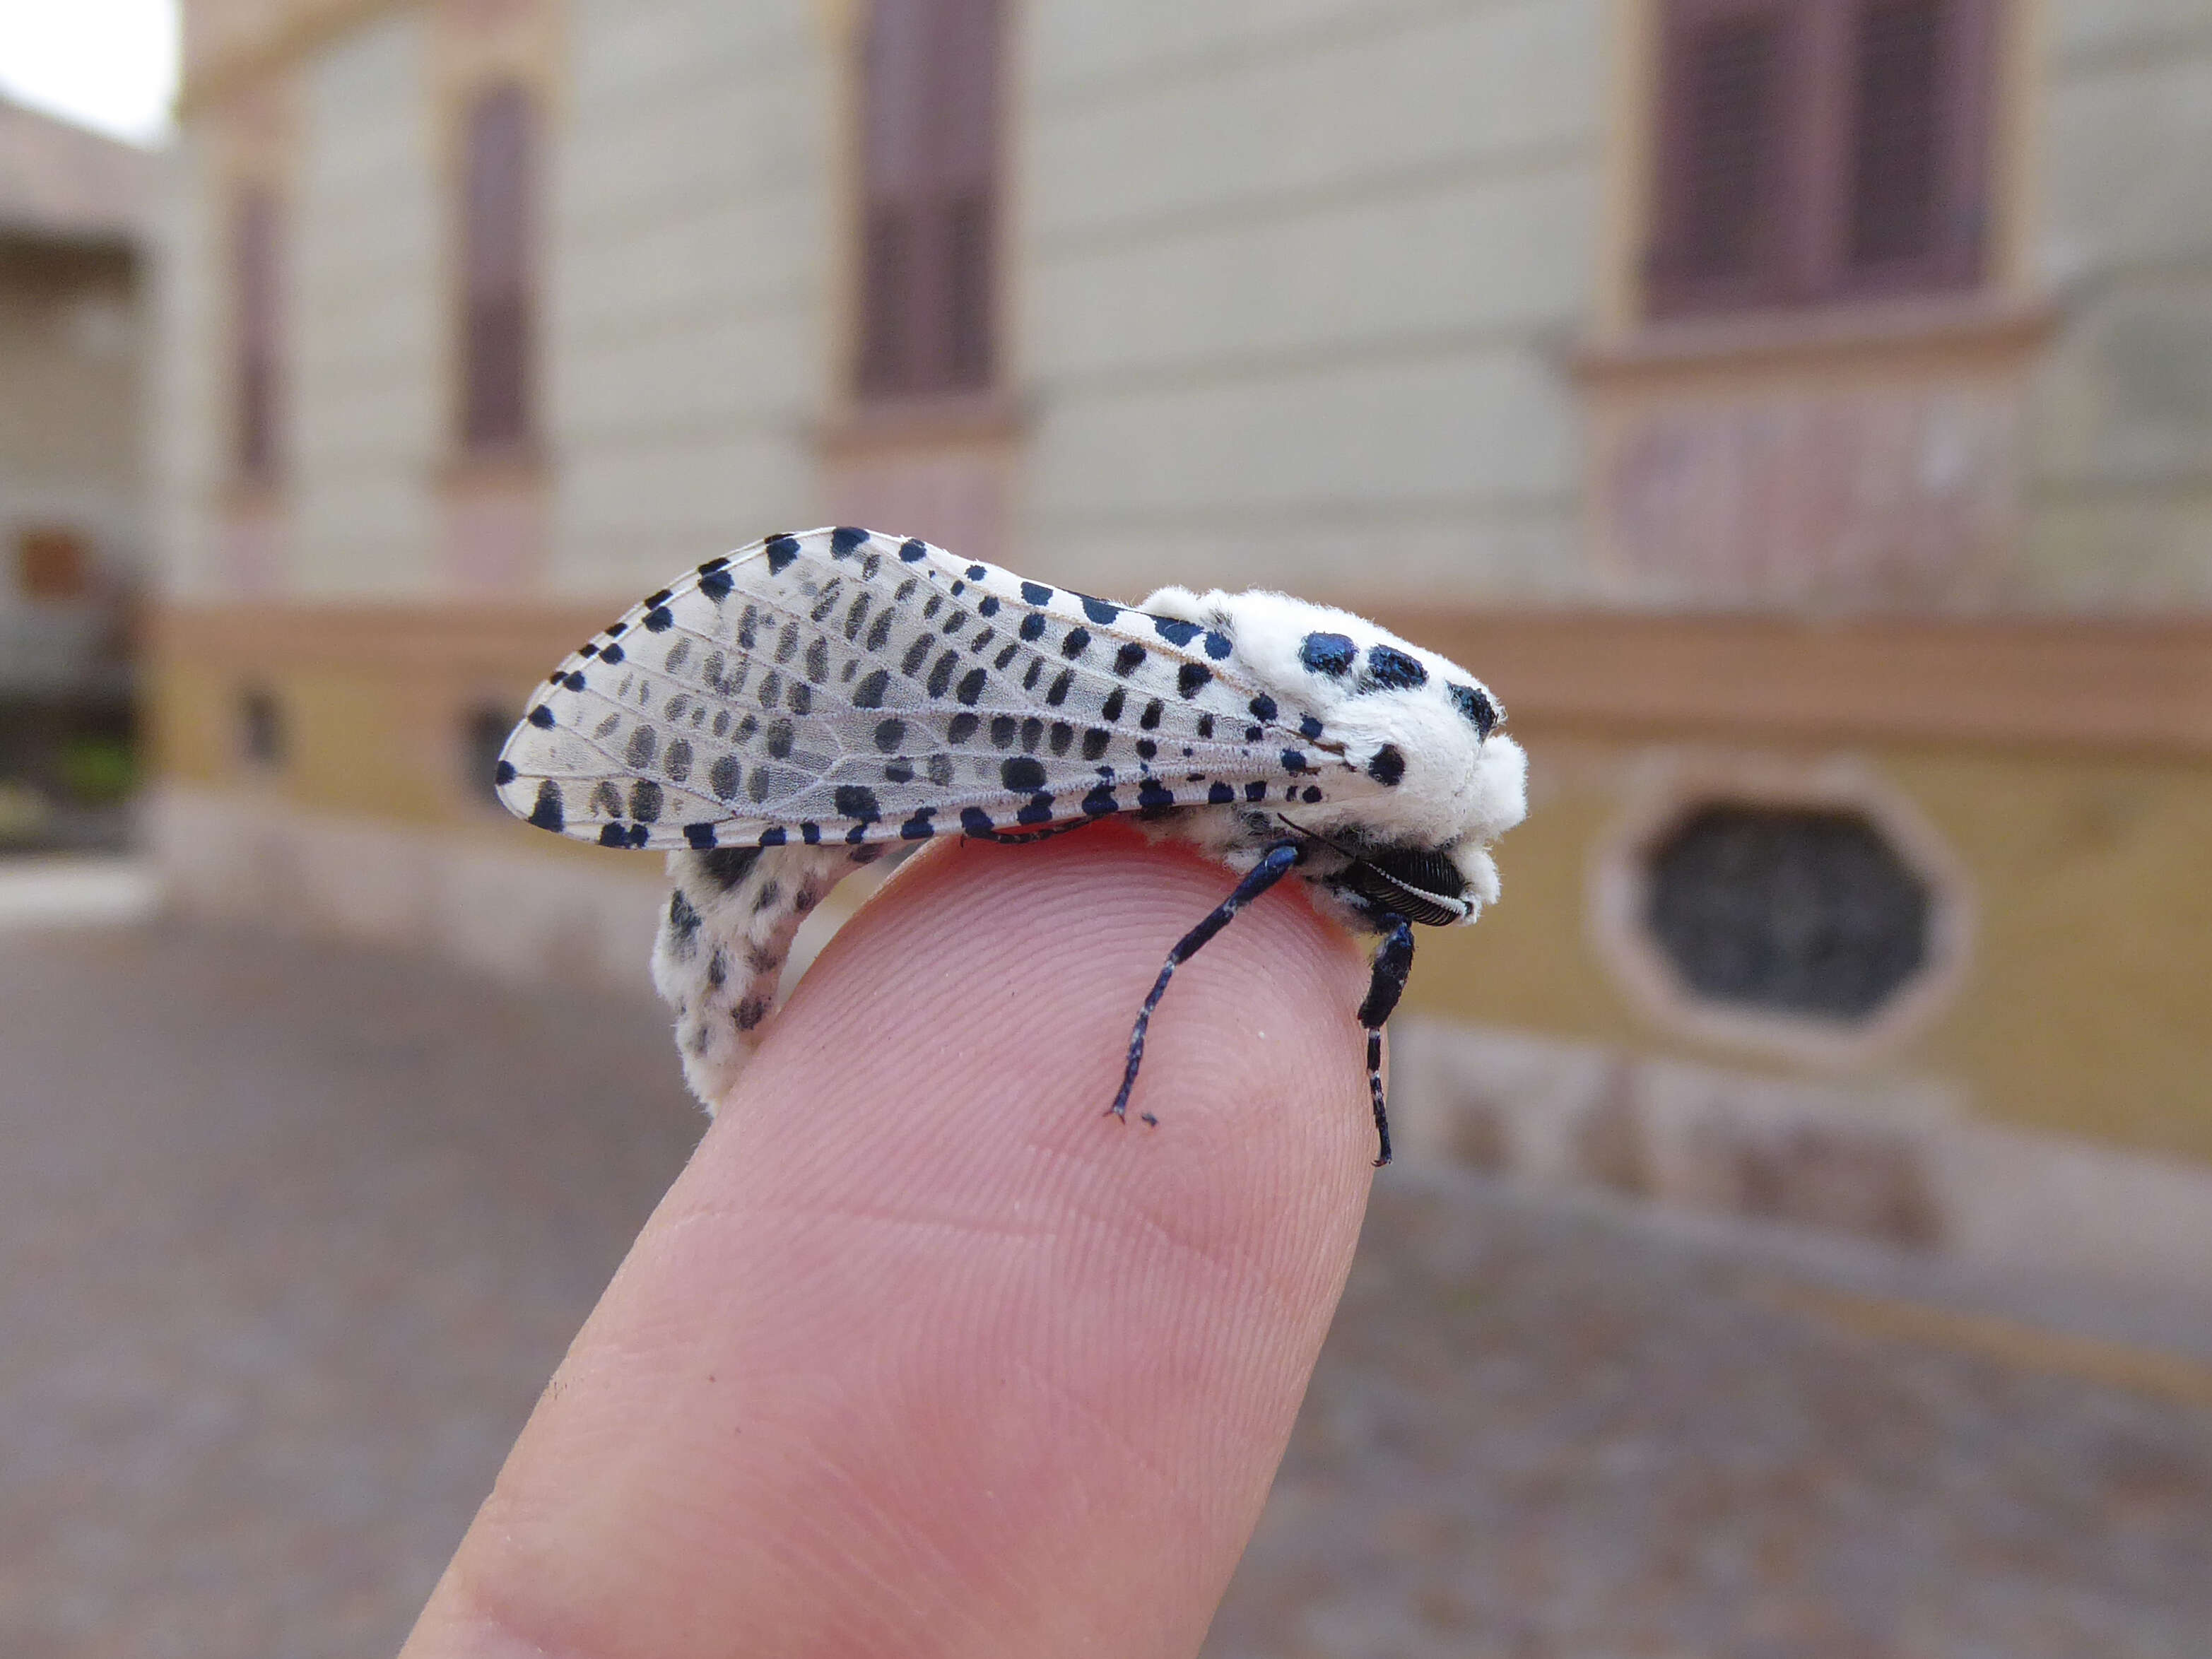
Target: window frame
point(1670, 793)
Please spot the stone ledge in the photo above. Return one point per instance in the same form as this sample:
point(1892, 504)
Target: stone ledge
point(1899, 1161)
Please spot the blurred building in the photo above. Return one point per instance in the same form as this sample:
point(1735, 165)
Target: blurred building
point(73, 223)
point(1799, 410)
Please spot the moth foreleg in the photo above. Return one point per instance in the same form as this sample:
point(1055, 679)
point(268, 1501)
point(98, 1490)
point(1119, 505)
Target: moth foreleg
point(1394, 963)
point(1275, 863)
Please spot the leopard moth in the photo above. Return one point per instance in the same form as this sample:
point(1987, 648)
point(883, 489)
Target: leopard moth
point(779, 717)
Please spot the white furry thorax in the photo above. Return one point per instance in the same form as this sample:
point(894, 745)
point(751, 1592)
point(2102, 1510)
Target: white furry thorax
point(1464, 782)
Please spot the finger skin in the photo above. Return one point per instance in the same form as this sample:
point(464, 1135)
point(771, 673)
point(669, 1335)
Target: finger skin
point(923, 1353)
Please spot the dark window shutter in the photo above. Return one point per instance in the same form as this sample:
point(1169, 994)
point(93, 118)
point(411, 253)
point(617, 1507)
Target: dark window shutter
point(1917, 145)
point(255, 328)
point(1896, 130)
point(1732, 99)
point(928, 222)
point(495, 298)
point(1811, 150)
point(1725, 136)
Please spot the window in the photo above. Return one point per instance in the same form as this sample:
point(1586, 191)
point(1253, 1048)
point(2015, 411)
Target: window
point(483, 733)
point(1798, 910)
point(1804, 908)
point(261, 737)
point(52, 563)
point(255, 332)
point(929, 191)
point(1816, 150)
point(497, 314)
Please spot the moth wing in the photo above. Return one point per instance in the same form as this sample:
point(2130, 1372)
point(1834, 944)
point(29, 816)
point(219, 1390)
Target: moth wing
point(840, 684)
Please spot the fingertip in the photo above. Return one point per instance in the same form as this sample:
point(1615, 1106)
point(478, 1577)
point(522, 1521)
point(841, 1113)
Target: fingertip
point(921, 1322)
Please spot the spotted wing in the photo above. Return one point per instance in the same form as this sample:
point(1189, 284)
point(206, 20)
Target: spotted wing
point(842, 685)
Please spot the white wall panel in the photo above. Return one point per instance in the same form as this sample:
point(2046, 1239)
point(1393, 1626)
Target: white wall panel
point(365, 322)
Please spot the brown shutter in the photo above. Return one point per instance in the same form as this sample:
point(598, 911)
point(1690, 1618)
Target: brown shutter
point(495, 301)
point(1913, 205)
point(52, 562)
point(255, 333)
point(1729, 94)
point(967, 80)
point(1811, 150)
point(895, 98)
point(928, 224)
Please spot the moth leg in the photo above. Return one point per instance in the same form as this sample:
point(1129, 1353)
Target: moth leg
point(1394, 962)
point(1275, 863)
point(1024, 837)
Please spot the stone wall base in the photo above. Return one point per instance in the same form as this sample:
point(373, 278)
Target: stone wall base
point(526, 919)
point(1898, 1163)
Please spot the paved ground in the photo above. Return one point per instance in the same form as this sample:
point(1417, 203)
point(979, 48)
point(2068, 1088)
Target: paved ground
point(289, 1238)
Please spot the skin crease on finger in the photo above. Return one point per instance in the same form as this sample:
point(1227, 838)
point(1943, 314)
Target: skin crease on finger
point(923, 1353)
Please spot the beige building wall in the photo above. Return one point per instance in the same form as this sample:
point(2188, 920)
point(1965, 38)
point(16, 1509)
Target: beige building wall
point(691, 291)
point(2123, 409)
point(1294, 286)
point(73, 347)
point(366, 421)
point(188, 432)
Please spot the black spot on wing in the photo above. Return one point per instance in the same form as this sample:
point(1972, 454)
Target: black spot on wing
point(1388, 766)
point(781, 551)
point(549, 812)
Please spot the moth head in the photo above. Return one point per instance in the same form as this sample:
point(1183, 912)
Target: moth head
point(1418, 724)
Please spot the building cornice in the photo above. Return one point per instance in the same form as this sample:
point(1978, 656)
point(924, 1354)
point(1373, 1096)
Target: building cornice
point(2073, 685)
point(274, 49)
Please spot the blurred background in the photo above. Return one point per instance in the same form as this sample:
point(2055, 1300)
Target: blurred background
point(1798, 411)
